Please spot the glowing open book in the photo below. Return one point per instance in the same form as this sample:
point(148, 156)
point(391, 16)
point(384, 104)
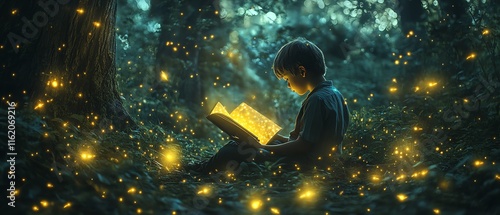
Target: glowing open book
point(244, 122)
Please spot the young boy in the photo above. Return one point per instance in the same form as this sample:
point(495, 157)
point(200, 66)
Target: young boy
point(319, 127)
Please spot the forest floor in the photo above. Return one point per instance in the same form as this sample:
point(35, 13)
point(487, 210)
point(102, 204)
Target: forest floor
point(62, 168)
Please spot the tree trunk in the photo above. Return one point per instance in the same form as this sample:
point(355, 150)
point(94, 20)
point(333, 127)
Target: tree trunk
point(65, 63)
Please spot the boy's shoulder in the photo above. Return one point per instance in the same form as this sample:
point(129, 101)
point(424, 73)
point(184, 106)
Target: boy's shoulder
point(326, 95)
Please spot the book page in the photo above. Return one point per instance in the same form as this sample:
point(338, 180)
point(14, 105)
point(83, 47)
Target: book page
point(256, 123)
point(219, 108)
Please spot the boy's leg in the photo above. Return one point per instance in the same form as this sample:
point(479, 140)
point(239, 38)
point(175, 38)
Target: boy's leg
point(229, 157)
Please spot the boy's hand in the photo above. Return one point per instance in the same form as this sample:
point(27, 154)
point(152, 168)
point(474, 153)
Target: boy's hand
point(279, 138)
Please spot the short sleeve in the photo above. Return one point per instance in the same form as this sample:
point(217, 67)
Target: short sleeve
point(313, 120)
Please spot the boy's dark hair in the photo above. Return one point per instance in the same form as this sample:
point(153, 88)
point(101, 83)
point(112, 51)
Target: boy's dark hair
point(299, 52)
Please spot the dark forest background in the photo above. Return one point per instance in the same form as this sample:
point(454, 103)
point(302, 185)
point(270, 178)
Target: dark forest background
point(111, 98)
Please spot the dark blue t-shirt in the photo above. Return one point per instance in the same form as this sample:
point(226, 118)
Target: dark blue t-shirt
point(322, 121)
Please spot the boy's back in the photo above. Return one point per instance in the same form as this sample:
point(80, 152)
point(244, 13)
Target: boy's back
point(322, 121)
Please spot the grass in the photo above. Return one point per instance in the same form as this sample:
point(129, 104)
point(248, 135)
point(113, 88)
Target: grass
point(64, 169)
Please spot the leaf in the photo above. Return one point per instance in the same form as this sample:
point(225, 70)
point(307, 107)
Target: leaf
point(103, 179)
point(79, 118)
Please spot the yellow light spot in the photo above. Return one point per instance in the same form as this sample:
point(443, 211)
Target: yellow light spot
point(49, 185)
point(164, 76)
point(486, 31)
point(44, 203)
point(97, 24)
point(171, 157)
point(275, 211)
point(307, 194)
point(436, 211)
point(175, 49)
point(417, 89)
point(478, 163)
point(131, 190)
point(375, 178)
point(497, 177)
point(411, 33)
point(256, 204)
point(67, 205)
point(139, 210)
point(86, 156)
point(396, 62)
point(35, 208)
point(54, 84)
point(402, 197)
point(393, 89)
point(80, 11)
point(216, 12)
point(471, 56)
point(204, 191)
point(432, 84)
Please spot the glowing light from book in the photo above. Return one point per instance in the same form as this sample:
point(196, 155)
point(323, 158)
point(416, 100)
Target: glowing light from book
point(256, 123)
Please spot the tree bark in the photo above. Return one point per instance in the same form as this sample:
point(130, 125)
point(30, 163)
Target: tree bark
point(66, 58)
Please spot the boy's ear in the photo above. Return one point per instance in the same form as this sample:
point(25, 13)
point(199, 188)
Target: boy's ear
point(302, 71)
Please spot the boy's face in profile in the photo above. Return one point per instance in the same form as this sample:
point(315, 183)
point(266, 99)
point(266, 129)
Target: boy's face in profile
point(296, 83)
